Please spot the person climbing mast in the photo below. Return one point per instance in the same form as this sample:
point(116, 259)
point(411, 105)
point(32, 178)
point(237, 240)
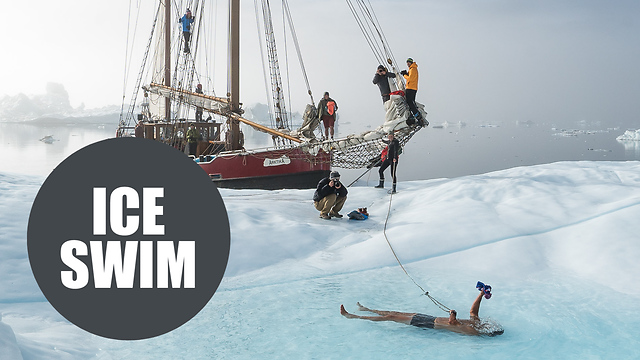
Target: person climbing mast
point(186, 22)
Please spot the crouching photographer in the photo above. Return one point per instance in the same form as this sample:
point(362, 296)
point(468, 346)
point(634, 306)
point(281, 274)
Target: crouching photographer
point(330, 196)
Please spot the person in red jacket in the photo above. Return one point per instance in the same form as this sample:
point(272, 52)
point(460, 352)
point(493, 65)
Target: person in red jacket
point(411, 89)
point(389, 157)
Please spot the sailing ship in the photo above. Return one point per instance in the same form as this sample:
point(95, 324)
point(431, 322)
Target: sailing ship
point(298, 158)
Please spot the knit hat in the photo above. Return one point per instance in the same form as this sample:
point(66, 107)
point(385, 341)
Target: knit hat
point(381, 67)
point(409, 60)
point(334, 175)
point(326, 93)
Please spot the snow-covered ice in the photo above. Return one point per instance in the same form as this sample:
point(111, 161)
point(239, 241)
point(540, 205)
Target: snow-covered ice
point(558, 242)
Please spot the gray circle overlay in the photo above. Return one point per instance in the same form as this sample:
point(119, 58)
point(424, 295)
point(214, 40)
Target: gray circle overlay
point(192, 211)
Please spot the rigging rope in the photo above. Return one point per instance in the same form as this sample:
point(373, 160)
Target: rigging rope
point(286, 62)
point(384, 232)
point(126, 119)
point(376, 54)
point(264, 69)
point(383, 38)
point(364, 173)
point(126, 55)
point(285, 5)
point(372, 30)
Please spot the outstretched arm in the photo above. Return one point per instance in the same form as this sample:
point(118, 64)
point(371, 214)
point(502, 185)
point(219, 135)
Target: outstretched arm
point(452, 317)
point(475, 308)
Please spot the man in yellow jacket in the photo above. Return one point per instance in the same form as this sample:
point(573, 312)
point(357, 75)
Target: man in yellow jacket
point(412, 89)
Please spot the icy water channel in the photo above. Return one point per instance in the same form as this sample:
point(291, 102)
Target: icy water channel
point(300, 320)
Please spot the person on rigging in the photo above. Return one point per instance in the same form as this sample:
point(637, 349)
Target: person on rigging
point(389, 157)
point(330, 196)
point(146, 113)
point(186, 21)
point(198, 108)
point(327, 108)
point(473, 326)
point(412, 89)
point(382, 79)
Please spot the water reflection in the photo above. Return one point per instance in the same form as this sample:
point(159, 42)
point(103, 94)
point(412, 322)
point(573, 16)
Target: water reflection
point(21, 150)
point(446, 151)
point(479, 148)
point(631, 148)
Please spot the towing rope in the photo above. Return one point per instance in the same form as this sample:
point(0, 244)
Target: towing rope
point(384, 231)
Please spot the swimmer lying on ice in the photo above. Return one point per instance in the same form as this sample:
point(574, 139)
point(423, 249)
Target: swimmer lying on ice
point(473, 326)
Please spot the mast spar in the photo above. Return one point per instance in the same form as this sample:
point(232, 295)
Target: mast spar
point(167, 56)
point(234, 72)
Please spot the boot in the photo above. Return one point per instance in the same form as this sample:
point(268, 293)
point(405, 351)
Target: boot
point(380, 184)
point(421, 121)
point(393, 188)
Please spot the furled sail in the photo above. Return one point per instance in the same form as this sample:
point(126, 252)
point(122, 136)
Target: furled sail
point(359, 151)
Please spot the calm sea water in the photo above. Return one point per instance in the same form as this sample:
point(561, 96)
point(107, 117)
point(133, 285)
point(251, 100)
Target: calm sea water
point(22, 152)
point(434, 152)
point(474, 149)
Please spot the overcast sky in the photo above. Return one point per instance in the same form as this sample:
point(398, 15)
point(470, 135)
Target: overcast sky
point(492, 60)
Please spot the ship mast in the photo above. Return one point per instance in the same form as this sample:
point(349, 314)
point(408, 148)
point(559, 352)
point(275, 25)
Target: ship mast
point(167, 57)
point(234, 72)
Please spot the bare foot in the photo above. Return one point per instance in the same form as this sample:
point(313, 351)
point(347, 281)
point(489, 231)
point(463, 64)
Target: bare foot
point(345, 313)
point(362, 308)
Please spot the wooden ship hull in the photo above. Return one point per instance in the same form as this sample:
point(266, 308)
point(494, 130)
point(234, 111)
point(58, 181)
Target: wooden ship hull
point(269, 169)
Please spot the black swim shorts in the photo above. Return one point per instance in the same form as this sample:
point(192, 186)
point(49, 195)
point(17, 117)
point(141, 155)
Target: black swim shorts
point(422, 320)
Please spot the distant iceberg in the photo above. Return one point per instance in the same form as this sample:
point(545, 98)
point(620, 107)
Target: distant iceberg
point(630, 135)
point(53, 106)
point(48, 139)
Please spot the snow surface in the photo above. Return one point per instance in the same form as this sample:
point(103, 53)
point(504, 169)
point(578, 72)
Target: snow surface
point(558, 242)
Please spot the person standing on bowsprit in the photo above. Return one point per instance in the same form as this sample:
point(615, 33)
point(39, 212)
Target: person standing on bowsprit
point(327, 108)
point(381, 78)
point(389, 157)
point(412, 89)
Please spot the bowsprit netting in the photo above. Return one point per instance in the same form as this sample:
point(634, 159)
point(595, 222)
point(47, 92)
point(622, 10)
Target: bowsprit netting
point(360, 151)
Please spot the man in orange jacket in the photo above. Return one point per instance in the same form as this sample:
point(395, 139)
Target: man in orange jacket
point(412, 89)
